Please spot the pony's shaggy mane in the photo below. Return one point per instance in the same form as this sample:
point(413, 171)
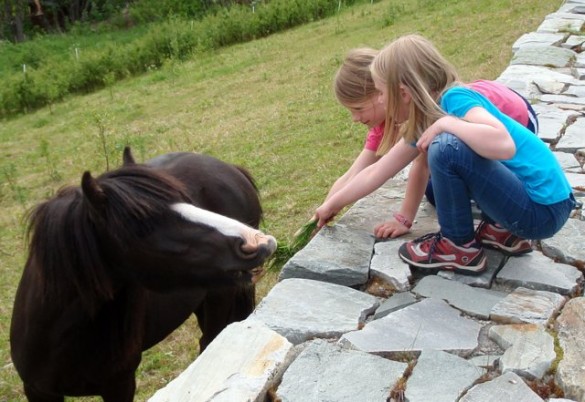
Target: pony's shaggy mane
point(66, 232)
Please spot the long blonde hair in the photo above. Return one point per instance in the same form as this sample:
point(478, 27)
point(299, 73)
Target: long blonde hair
point(353, 83)
point(414, 62)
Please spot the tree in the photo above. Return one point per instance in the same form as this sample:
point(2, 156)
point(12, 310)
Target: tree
point(12, 20)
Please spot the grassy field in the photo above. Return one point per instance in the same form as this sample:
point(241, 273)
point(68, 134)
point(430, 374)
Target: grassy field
point(266, 105)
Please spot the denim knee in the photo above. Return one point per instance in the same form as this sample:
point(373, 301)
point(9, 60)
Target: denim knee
point(438, 149)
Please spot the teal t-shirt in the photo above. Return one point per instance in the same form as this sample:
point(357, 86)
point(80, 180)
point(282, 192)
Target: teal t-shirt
point(533, 162)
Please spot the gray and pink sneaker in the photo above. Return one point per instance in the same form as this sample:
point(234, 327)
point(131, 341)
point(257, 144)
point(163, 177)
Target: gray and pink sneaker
point(497, 238)
point(433, 252)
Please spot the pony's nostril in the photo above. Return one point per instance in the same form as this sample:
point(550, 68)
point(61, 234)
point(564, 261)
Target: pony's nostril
point(247, 247)
point(264, 245)
point(245, 250)
point(271, 244)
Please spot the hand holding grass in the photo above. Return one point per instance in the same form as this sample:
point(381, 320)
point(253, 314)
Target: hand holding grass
point(324, 214)
point(304, 234)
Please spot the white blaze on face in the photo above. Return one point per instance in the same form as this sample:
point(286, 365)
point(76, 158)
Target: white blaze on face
point(227, 226)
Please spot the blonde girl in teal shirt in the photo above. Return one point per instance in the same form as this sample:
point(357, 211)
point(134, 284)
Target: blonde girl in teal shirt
point(473, 151)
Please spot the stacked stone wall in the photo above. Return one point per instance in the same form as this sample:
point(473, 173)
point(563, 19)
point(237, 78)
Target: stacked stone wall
point(349, 321)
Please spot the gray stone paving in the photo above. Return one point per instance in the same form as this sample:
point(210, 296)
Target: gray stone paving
point(324, 332)
point(335, 377)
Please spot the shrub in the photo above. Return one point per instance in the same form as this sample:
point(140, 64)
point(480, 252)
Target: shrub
point(174, 39)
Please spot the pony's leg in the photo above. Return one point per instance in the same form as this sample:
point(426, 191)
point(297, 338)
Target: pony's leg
point(120, 391)
point(221, 307)
point(35, 396)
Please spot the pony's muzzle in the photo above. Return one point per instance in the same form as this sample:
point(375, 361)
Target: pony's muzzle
point(257, 244)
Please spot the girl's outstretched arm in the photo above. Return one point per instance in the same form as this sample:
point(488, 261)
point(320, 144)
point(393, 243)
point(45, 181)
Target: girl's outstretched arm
point(364, 159)
point(480, 130)
point(367, 180)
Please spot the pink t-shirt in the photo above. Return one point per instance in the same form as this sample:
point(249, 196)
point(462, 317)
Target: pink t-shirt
point(374, 137)
point(508, 101)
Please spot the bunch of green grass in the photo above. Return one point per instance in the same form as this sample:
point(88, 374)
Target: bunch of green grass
point(285, 251)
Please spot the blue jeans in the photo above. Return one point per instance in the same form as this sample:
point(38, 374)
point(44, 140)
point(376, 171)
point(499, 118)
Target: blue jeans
point(459, 175)
point(532, 125)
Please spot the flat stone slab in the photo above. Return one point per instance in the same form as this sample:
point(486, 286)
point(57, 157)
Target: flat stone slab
point(538, 272)
point(394, 303)
point(349, 265)
point(566, 245)
point(507, 387)
point(538, 39)
point(300, 309)
point(570, 15)
point(506, 335)
point(574, 41)
point(326, 372)
point(428, 324)
point(573, 139)
point(570, 327)
point(550, 56)
point(563, 99)
point(576, 180)
point(364, 214)
point(527, 306)
point(388, 266)
point(476, 302)
point(241, 364)
point(553, 25)
point(550, 87)
point(552, 120)
point(575, 90)
point(569, 162)
point(580, 62)
point(530, 351)
point(455, 374)
point(521, 78)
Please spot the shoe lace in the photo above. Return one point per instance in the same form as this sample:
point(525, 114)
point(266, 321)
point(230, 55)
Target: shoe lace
point(433, 239)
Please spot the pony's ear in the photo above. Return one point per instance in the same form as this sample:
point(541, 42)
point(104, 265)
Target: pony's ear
point(92, 191)
point(127, 157)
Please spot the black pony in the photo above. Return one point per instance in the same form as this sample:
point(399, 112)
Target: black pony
point(116, 265)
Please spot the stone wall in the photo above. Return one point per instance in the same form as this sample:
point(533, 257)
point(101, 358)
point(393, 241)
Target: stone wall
point(349, 321)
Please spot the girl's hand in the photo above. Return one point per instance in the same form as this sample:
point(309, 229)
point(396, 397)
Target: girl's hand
point(430, 133)
point(324, 214)
point(390, 229)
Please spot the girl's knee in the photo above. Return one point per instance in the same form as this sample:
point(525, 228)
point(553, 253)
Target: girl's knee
point(440, 149)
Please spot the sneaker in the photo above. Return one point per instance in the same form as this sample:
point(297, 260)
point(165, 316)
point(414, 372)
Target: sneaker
point(435, 252)
point(501, 239)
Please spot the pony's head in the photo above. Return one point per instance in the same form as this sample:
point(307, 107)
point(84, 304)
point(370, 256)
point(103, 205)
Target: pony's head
point(138, 224)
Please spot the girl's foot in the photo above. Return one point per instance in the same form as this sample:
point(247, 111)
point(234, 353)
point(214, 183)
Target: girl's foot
point(501, 239)
point(434, 252)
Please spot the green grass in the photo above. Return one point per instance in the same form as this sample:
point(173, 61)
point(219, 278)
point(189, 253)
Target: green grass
point(266, 105)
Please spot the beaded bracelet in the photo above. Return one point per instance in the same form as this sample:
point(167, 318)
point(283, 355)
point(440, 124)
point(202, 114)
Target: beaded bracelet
point(401, 219)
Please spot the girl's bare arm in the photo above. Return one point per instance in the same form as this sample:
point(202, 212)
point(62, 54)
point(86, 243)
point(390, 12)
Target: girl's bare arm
point(364, 159)
point(367, 180)
point(481, 131)
point(418, 178)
